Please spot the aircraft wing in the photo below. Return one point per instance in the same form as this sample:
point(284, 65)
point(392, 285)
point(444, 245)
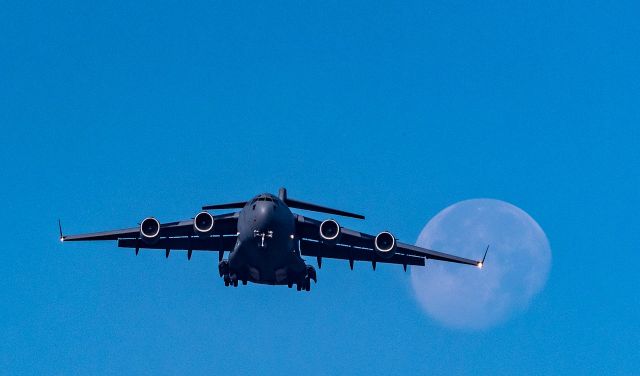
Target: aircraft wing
point(357, 246)
point(178, 235)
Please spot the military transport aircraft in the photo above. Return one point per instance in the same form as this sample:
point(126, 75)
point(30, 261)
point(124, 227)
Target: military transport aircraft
point(266, 241)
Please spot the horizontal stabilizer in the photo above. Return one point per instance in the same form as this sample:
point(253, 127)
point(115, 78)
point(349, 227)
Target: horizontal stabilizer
point(290, 203)
point(321, 209)
point(231, 205)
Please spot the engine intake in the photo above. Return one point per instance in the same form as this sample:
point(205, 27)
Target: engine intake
point(330, 231)
point(203, 223)
point(150, 229)
point(385, 244)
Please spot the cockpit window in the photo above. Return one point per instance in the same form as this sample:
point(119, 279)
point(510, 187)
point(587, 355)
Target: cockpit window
point(266, 198)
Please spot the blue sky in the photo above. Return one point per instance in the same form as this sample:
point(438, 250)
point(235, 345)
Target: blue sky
point(113, 111)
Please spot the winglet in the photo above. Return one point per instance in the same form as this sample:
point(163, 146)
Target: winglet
point(481, 263)
point(60, 228)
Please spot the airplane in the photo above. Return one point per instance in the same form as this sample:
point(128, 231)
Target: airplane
point(266, 242)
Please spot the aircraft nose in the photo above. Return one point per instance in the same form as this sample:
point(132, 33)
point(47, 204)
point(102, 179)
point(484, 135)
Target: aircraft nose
point(265, 207)
point(263, 215)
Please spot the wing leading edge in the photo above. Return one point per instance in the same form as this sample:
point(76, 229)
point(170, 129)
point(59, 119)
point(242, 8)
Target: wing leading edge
point(358, 246)
point(178, 235)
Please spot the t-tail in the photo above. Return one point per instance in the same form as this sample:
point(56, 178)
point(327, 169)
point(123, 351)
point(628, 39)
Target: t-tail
point(297, 204)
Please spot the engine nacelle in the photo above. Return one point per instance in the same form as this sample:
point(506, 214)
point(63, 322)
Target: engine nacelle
point(203, 223)
point(150, 230)
point(385, 244)
point(330, 231)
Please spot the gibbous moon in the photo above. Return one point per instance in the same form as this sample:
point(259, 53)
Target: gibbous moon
point(516, 268)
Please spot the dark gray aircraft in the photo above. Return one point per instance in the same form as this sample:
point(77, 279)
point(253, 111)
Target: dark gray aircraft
point(266, 241)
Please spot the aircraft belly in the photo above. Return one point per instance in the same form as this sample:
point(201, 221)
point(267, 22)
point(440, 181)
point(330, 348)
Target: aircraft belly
point(266, 265)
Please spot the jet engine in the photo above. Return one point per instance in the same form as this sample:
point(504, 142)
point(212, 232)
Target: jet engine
point(150, 229)
point(385, 244)
point(330, 231)
point(203, 223)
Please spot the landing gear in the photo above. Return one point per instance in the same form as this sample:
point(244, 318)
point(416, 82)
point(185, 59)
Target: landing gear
point(311, 273)
point(229, 279)
point(223, 268)
point(302, 280)
point(232, 280)
point(304, 284)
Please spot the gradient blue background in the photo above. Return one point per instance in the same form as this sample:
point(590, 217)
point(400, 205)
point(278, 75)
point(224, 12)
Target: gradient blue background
point(112, 111)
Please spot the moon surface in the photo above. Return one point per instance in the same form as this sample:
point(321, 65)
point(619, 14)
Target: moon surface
point(516, 268)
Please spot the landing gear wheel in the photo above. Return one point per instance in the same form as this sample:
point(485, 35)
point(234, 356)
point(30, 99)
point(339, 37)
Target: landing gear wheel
point(311, 273)
point(233, 280)
point(223, 268)
point(307, 284)
point(227, 280)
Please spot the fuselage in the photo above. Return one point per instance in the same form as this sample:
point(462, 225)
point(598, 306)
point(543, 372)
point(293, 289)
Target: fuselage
point(265, 251)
